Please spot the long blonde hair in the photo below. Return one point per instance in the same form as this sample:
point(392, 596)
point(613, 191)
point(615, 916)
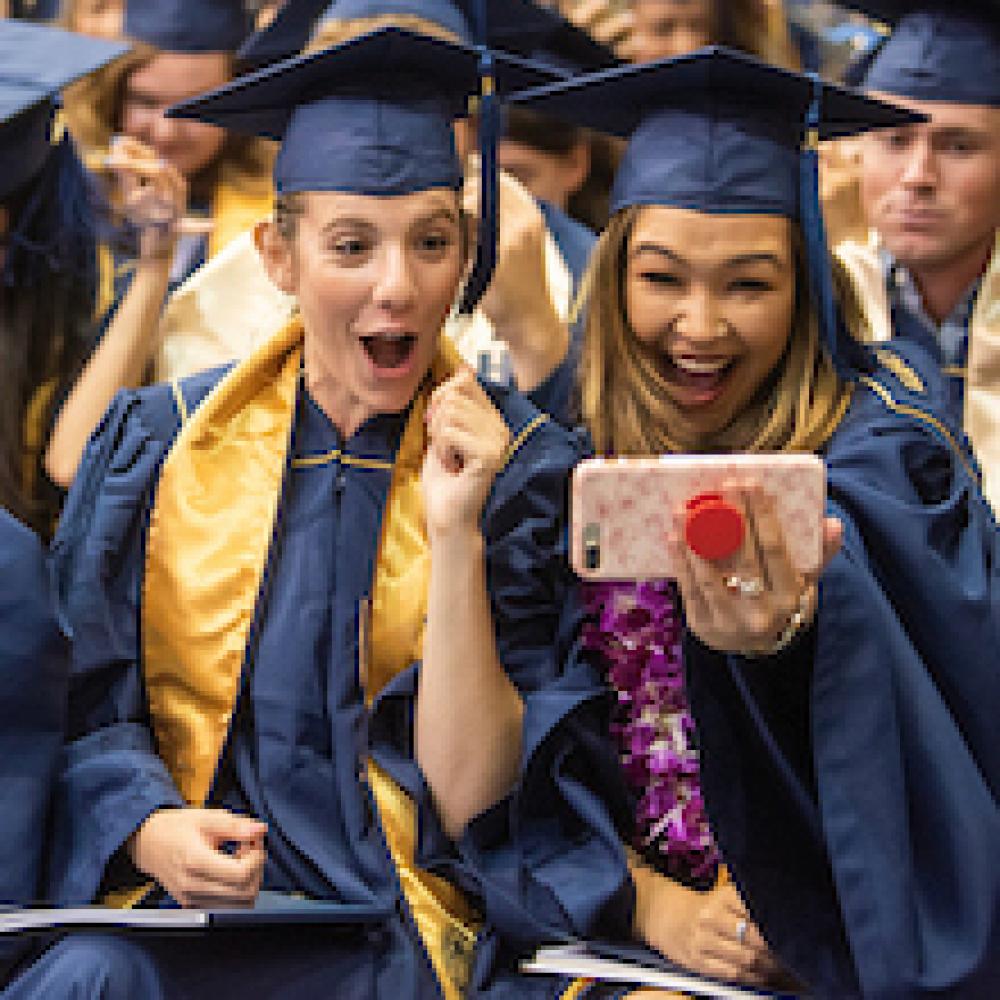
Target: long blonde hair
point(623, 397)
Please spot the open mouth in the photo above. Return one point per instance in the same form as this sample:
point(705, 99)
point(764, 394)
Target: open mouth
point(389, 352)
point(699, 380)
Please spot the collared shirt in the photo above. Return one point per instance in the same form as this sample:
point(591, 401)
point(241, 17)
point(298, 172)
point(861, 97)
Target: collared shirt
point(952, 334)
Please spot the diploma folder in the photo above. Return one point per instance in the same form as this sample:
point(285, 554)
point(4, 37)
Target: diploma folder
point(635, 966)
point(272, 909)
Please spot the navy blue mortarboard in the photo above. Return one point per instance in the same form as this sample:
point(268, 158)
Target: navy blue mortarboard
point(372, 116)
point(719, 131)
point(187, 25)
point(38, 61)
point(938, 50)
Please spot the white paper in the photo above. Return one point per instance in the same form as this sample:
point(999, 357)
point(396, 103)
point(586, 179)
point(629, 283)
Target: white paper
point(16, 921)
point(575, 960)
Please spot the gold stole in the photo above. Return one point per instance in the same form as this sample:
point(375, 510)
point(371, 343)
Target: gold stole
point(208, 544)
point(238, 204)
point(982, 375)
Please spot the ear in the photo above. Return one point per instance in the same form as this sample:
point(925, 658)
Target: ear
point(577, 162)
point(277, 255)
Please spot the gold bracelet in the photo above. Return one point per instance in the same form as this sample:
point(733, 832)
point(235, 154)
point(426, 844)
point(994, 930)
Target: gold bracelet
point(799, 618)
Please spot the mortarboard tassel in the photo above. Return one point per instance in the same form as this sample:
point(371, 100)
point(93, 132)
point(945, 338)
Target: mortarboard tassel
point(849, 355)
point(489, 134)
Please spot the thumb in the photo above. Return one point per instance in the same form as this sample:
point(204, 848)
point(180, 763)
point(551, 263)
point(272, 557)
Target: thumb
point(221, 825)
point(833, 538)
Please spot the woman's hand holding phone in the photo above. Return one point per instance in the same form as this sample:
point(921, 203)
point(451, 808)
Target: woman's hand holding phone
point(756, 600)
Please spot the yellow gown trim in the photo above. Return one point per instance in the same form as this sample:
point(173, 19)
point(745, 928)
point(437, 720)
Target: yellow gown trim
point(208, 545)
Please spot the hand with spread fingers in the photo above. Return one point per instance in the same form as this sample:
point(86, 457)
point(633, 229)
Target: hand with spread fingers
point(153, 196)
point(518, 302)
point(467, 446)
point(755, 602)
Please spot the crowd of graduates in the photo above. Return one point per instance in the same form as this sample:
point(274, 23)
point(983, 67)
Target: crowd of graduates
point(308, 312)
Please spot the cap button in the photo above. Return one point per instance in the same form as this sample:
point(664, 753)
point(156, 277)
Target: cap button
point(713, 527)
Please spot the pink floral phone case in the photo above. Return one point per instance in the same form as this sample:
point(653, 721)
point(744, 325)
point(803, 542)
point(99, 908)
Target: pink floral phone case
point(622, 507)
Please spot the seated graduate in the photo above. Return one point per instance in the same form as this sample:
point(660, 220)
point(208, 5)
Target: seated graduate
point(929, 268)
point(845, 724)
point(33, 681)
point(522, 318)
point(320, 606)
point(49, 258)
point(184, 190)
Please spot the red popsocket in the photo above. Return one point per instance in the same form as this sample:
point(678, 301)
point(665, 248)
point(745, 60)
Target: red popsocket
point(713, 527)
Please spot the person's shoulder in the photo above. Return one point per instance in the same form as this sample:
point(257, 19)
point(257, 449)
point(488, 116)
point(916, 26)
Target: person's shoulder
point(898, 436)
point(536, 438)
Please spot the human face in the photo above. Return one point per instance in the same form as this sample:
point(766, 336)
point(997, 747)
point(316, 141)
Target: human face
point(374, 279)
point(553, 177)
point(168, 78)
point(101, 18)
point(711, 299)
point(668, 28)
point(933, 190)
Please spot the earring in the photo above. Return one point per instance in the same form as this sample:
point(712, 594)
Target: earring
point(721, 328)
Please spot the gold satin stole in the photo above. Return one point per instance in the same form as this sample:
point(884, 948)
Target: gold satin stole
point(208, 544)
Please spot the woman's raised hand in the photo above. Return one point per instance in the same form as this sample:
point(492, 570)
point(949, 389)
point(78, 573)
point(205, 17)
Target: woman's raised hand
point(467, 446)
point(753, 602)
point(184, 850)
point(153, 196)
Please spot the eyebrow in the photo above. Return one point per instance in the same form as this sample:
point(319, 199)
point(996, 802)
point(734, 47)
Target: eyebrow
point(359, 223)
point(737, 261)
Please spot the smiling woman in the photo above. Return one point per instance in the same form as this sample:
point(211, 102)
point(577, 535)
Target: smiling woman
point(790, 705)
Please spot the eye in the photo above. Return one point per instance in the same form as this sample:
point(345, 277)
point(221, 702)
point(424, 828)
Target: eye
point(350, 248)
point(750, 285)
point(662, 279)
point(435, 244)
point(894, 140)
point(958, 145)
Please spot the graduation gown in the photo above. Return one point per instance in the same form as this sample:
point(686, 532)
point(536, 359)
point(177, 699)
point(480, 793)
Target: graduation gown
point(852, 782)
point(34, 673)
point(544, 864)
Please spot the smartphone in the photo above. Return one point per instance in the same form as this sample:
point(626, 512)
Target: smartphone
point(622, 509)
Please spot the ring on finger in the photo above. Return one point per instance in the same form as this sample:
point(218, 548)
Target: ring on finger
point(749, 587)
point(741, 931)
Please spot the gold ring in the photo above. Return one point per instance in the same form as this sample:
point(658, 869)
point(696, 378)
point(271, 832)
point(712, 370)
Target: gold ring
point(753, 587)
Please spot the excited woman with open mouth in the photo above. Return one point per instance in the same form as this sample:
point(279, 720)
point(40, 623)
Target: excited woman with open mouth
point(324, 627)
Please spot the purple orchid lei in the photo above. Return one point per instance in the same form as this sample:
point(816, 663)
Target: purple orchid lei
point(637, 628)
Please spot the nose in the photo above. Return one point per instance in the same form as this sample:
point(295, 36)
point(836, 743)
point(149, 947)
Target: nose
point(395, 287)
point(920, 169)
point(164, 131)
point(699, 320)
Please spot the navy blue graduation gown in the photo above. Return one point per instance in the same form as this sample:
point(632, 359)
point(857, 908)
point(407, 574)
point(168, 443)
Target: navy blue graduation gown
point(853, 781)
point(573, 238)
point(298, 742)
point(34, 673)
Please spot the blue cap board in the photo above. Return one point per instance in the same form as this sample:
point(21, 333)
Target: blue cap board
point(38, 61)
point(518, 26)
point(34, 10)
point(939, 50)
point(372, 116)
point(188, 25)
point(721, 132)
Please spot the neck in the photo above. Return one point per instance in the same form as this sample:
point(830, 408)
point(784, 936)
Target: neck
point(346, 412)
point(942, 286)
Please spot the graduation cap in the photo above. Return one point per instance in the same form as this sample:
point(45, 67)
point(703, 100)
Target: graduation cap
point(938, 51)
point(38, 61)
point(34, 10)
point(372, 116)
point(517, 26)
point(187, 25)
point(720, 132)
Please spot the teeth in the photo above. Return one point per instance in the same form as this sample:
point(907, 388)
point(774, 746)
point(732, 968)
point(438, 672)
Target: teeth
point(698, 367)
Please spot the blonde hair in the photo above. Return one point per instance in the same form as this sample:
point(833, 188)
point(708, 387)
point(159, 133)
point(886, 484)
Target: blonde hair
point(93, 109)
point(623, 398)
